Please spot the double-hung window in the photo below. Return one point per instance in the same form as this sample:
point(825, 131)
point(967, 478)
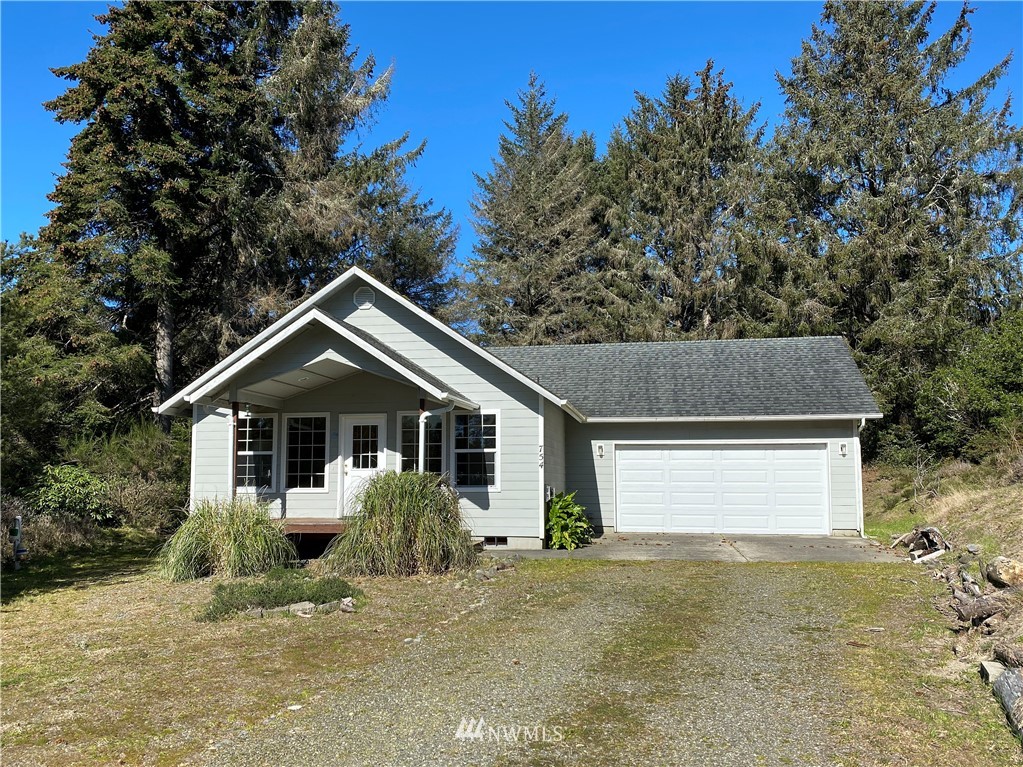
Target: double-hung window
point(475, 449)
point(409, 440)
point(254, 453)
point(305, 464)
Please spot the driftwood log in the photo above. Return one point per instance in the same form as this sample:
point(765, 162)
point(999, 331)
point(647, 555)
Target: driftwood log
point(1008, 688)
point(1010, 655)
point(969, 609)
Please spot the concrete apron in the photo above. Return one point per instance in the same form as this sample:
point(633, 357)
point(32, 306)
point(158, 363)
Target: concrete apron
point(725, 548)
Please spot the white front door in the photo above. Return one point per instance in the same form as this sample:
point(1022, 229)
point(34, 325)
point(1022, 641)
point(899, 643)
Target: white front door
point(362, 455)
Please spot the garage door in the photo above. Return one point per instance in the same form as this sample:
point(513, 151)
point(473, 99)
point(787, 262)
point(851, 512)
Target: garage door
point(723, 489)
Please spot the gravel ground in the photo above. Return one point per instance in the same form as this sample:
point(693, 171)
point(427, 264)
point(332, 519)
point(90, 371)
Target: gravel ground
point(750, 688)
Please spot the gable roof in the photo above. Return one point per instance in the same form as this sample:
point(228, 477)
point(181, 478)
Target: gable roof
point(769, 378)
point(403, 361)
point(254, 345)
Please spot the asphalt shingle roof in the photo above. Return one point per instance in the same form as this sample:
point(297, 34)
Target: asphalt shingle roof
point(692, 379)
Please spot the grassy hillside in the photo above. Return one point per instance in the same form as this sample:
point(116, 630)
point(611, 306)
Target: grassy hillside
point(968, 503)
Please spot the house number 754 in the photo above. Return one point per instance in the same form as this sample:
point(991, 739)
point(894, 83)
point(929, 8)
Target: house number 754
point(540, 455)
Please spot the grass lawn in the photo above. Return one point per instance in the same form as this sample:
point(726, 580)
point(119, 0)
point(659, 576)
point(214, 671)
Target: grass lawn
point(104, 663)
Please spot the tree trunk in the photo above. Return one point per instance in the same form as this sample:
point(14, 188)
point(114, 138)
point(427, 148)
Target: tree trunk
point(164, 357)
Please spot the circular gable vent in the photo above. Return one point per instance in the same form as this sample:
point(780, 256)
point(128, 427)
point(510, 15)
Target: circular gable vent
point(364, 298)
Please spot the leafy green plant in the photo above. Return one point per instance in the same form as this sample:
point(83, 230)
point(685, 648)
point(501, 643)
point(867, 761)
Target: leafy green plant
point(280, 587)
point(232, 538)
point(72, 492)
point(145, 470)
point(567, 525)
point(406, 523)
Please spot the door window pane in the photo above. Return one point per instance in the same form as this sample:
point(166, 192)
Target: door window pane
point(365, 445)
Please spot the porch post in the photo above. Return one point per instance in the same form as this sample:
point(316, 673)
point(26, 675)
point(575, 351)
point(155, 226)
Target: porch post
point(422, 435)
point(234, 449)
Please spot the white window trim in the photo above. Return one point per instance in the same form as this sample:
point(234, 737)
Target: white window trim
point(496, 487)
point(274, 462)
point(443, 438)
point(327, 460)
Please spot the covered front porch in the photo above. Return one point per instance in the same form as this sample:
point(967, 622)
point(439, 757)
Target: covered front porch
point(311, 421)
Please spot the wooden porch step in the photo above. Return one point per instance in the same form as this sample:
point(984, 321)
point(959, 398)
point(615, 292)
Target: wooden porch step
point(313, 526)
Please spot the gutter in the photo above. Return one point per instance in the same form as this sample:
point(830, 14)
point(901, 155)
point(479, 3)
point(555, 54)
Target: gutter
point(739, 418)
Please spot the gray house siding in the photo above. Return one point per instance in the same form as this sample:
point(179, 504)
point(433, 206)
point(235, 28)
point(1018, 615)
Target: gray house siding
point(554, 447)
point(594, 477)
point(211, 445)
point(513, 509)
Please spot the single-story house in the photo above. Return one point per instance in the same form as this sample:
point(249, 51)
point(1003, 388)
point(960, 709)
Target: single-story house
point(746, 436)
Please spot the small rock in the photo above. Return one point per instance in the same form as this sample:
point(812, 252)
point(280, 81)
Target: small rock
point(990, 670)
point(347, 605)
point(409, 640)
point(481, 575)
point(329, 607)
point(303, 609)
point(276, 611)
point(973, 548)
point(295, 707)
point(490, 572)
point(255, 612)
point(1005, 572)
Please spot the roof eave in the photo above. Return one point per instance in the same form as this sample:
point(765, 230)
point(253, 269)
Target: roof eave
point(737, 418)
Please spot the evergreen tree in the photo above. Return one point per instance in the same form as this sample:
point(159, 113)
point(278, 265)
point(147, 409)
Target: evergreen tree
point(678, 178)
point(213, 184)
point(894, 202)
point(531, 273)
point(62, 369)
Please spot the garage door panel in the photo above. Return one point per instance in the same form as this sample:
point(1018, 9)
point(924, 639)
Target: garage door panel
point(744, 476)
point(691, 455)
point(747, 523)
point(643, 475)
point(693, 476)
point(693, 523)
point(704, 500)
point(727, 489)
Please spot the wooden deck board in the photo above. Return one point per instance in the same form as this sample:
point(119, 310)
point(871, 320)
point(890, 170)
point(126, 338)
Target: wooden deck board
point(313, 526)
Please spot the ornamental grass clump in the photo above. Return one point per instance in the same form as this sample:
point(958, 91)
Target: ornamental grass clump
point(405, 524)
point(231, 538)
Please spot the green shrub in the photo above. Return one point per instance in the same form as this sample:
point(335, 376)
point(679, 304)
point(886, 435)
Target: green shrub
point(279, 588)
point(153, 505)
point(146, 472)
point(232, 538)
point(406, 523)
point(73, 493)
point(962, 404)
point(567, 525)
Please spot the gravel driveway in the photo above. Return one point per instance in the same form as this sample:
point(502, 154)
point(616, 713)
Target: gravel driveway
point(602, 663)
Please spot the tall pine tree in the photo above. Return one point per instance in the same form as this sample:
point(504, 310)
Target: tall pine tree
point(530, 277)
point(677, 178)
point(894, 199)
point(215, 181)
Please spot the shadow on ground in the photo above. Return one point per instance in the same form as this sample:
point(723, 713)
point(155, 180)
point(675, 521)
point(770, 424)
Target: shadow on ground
point(116, 556)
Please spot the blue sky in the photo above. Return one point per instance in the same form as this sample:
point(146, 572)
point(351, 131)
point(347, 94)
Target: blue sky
point(456, 63)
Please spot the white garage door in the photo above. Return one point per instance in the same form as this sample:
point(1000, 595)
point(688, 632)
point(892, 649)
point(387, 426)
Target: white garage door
point(723, 489)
